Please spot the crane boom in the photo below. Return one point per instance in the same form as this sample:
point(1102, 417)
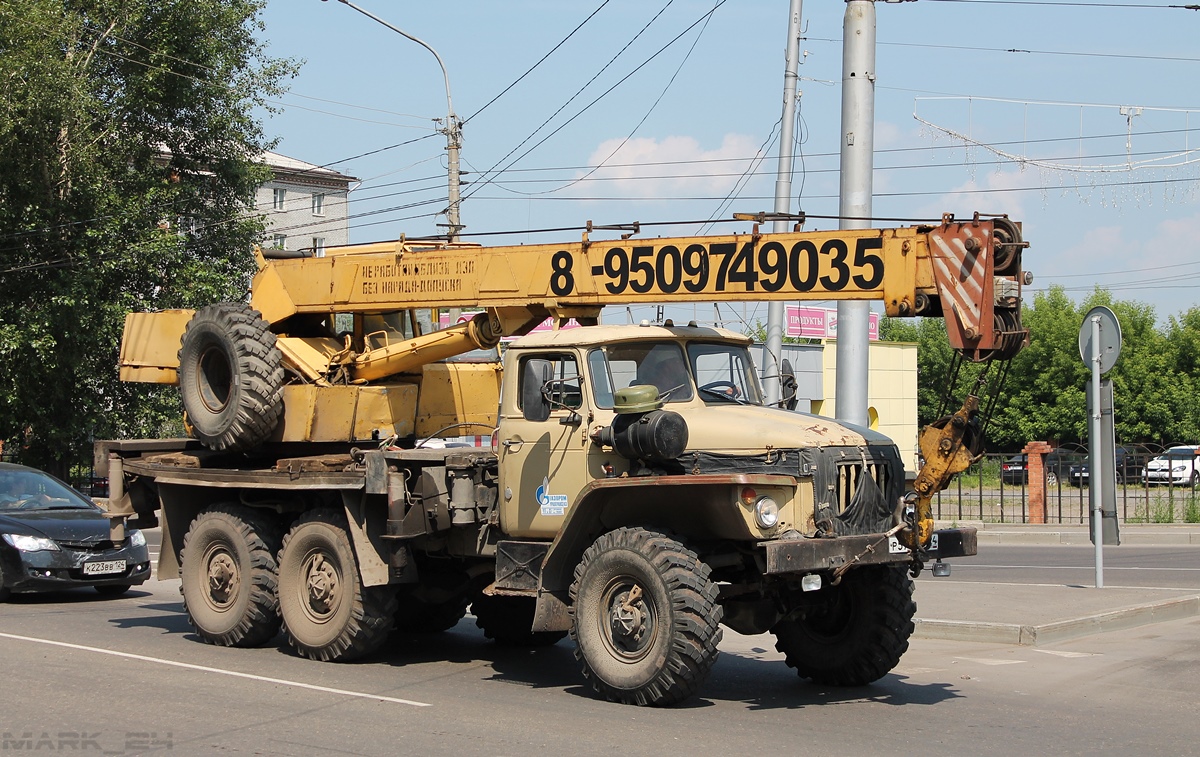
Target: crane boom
point(968, 271)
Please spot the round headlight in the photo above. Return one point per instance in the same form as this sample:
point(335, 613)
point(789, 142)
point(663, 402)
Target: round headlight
point(766, 512)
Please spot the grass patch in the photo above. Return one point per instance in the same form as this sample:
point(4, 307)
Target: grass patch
point(1164, 512)
point(1191, 509)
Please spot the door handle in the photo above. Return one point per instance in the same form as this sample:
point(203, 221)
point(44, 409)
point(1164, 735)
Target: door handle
point(513, 445)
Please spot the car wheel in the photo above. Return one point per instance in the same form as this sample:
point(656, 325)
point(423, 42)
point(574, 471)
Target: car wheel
point(328, 614)
point(645, 618)
point(228, 574)
point(4, 590)
point(112, 590)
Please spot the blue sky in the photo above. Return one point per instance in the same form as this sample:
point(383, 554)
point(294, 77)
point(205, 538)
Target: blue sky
point(1107, 199)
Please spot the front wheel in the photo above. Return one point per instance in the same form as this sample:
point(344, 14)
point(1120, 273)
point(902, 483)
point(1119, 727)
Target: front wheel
point(327, 613)
point(646, 618)
point(853, 633)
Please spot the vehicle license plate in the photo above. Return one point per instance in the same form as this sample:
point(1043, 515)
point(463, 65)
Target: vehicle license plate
point(103, 568)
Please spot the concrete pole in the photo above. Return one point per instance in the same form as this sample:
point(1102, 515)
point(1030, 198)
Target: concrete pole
point(858, 146)
point(1096, 474)
point(783, 197)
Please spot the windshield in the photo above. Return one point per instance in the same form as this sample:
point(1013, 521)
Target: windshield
point(34, 490)
point(1178, 453)
point(724, 373)
point(660, 364)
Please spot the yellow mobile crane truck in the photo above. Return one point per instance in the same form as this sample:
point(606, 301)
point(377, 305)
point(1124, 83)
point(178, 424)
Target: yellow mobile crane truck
point(638, 492)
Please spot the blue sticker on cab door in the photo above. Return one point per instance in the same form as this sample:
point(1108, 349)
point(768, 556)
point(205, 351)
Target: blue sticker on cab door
point(550, 504)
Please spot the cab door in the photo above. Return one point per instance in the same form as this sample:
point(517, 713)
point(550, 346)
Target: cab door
point(543, 463)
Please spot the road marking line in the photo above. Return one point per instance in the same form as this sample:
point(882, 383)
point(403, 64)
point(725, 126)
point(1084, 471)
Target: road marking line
point(206, 669)
point(1069, 567)
point(1071, 655)
point(986, 661)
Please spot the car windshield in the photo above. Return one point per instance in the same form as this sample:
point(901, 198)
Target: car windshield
point(33, 490)
point(1178, 453)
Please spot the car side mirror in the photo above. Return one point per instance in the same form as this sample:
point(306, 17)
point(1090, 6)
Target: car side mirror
point(535, 374)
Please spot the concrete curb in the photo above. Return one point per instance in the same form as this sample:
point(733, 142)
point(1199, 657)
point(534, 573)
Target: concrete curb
point(1135, 534)
point(1049, 633)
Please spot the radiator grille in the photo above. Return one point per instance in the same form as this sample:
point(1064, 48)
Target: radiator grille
point(850, 477)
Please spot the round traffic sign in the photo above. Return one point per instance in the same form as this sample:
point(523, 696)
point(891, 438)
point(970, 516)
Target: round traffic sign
point(1109, 345)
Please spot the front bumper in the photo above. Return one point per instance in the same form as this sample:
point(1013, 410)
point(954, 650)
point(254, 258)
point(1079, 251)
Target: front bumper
point(1168, 477)
point(52, 571)
point(807, 555)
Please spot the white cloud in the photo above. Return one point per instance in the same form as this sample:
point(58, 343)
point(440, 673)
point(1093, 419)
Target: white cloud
point(1160, 265)
point(670, 167)
point(966, 198)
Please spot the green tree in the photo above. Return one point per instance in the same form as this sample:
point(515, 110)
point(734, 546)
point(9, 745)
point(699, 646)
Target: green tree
point(128, 150)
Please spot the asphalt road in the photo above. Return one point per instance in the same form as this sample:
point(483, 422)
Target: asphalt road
point(126, 676)
point(1174, 567)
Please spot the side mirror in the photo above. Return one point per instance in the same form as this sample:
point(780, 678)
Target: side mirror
point(534, 375)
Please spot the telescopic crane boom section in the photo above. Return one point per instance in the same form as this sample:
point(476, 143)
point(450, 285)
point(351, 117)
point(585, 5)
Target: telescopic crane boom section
point(967, 271)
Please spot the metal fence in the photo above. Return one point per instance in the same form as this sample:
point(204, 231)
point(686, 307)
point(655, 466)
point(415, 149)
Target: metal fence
point(988, 493)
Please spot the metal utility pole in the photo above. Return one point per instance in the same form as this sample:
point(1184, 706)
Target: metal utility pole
point(783, 196)
point(452, 130)
point(857, 163)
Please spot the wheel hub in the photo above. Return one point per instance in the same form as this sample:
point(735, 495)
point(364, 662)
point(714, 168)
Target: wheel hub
point(629, 622)
point(322, 581)
point(223, 578)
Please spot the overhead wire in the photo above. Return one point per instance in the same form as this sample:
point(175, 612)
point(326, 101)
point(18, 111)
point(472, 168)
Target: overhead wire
point(587, 107)
point(541, 60)
point(632, 131)
point(491, 171)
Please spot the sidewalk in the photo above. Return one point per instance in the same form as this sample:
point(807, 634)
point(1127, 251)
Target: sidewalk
point(1037, 614)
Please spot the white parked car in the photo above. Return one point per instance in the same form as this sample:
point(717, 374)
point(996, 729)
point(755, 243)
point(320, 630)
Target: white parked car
point(1178, 465)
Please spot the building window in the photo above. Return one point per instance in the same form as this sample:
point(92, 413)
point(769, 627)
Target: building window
point(280, 196)
point(318, 205)
point(318, 247)
point(278, 241)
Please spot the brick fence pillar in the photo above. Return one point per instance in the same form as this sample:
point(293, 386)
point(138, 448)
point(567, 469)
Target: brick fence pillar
point(1035, 467)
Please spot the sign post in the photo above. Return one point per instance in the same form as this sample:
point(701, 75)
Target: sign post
point(1099, 346)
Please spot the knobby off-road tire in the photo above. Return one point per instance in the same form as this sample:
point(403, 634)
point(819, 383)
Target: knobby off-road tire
point(857, 634)
point(508, 621)
point(228, 571)
point(328, 614)
point(646, 618)
point(230, 377)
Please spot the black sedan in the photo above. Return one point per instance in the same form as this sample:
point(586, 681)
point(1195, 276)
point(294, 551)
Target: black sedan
point(52, 537)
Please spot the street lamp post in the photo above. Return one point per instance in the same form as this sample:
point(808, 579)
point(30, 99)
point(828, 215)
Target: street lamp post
point(452, 129)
